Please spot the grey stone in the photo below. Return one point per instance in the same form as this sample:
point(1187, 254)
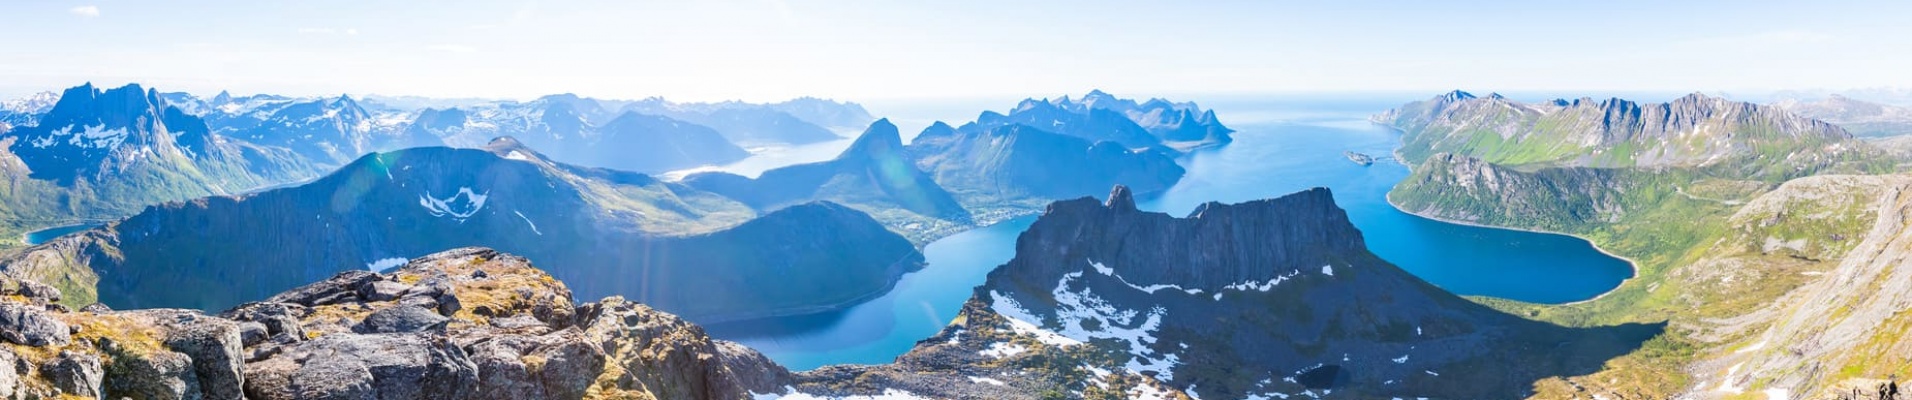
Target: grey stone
point(215, 347)
point(253, 333)
point(383, 290)
point(340, 288)
point(75, 373)
point(31, 326)
point(400, 319)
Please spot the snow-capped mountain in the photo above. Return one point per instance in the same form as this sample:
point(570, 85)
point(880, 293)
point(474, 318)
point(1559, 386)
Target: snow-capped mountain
point(23, 111)
point(1103, 117)
point(575, 130)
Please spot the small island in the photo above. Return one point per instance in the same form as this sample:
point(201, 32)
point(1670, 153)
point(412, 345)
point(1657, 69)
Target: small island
point(1358, 158)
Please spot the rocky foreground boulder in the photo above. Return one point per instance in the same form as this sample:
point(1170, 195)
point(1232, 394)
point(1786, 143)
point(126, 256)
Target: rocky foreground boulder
point(468, 323)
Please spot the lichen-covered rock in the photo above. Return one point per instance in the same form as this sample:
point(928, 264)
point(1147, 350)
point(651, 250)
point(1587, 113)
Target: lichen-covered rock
point(31, 326)
point(463, 324)
point(157, 375)
point(75, 373)
point(215, 347)
point(402, 366)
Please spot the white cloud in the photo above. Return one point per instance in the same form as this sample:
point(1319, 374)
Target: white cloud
point(453, 48)
point(85, 11)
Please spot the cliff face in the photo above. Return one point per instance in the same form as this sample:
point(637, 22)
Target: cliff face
point(611, 232)
point(461, 324)
point(1262, 299)
point(1461, 188)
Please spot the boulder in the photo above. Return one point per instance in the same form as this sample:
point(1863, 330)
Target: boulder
point(31, 326)
point(215, 347)
point(160, 375)
point(75, 373)
point(399, 366)
point(253, 333)
point(400, 319)
point(278, 318)
point(383, 290)
point(339, 288)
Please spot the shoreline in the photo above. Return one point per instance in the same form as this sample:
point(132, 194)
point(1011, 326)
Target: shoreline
point(1632, 265)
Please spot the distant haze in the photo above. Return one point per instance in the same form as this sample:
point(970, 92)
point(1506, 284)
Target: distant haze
point(860, 50)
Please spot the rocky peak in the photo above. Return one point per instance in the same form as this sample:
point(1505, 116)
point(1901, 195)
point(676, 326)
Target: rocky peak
point(1120, 199)
point(1217, 245)
point(121, 107)
point(1455, 96)
point(880, 138)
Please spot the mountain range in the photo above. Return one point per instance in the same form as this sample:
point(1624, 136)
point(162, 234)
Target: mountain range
point(102, 154)
point(1085, 310)
point(997, 167)
point(89, 154)
point(1753, 231)
point(618, 233)
point(1862, 118)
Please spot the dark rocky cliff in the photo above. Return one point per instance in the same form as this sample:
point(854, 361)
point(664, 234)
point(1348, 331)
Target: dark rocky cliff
point(1262, 299)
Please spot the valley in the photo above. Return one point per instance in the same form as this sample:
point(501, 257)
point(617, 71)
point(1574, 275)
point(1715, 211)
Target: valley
point(921, 222)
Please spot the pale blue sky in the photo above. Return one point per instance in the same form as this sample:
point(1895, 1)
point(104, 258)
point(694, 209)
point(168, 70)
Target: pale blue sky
point(864, 50)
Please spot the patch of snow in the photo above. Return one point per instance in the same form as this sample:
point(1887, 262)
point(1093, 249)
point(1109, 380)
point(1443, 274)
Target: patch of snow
point(1402, 360)
point(1726, 382)
point(527, 221)
point(1002, 350)
point(385, 263)
point(516, 155)
point(460, 206)
point(1752, 348)
point(1327, 270)
point(1023, 322)
point(1431, 373)
point(791, 393)
point(1777, 394)
point(1149, 392)
point(992, 381)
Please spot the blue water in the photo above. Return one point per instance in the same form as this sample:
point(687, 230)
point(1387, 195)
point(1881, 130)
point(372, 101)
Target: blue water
point(1282, 146)
point(43, 235)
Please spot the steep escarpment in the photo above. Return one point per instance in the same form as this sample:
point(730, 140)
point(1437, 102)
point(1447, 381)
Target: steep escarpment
point(1263, 299)
point(1460, 188)
point(461, 324)
point(611, 232)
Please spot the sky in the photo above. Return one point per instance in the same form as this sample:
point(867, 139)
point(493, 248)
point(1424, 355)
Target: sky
point(763, 50)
